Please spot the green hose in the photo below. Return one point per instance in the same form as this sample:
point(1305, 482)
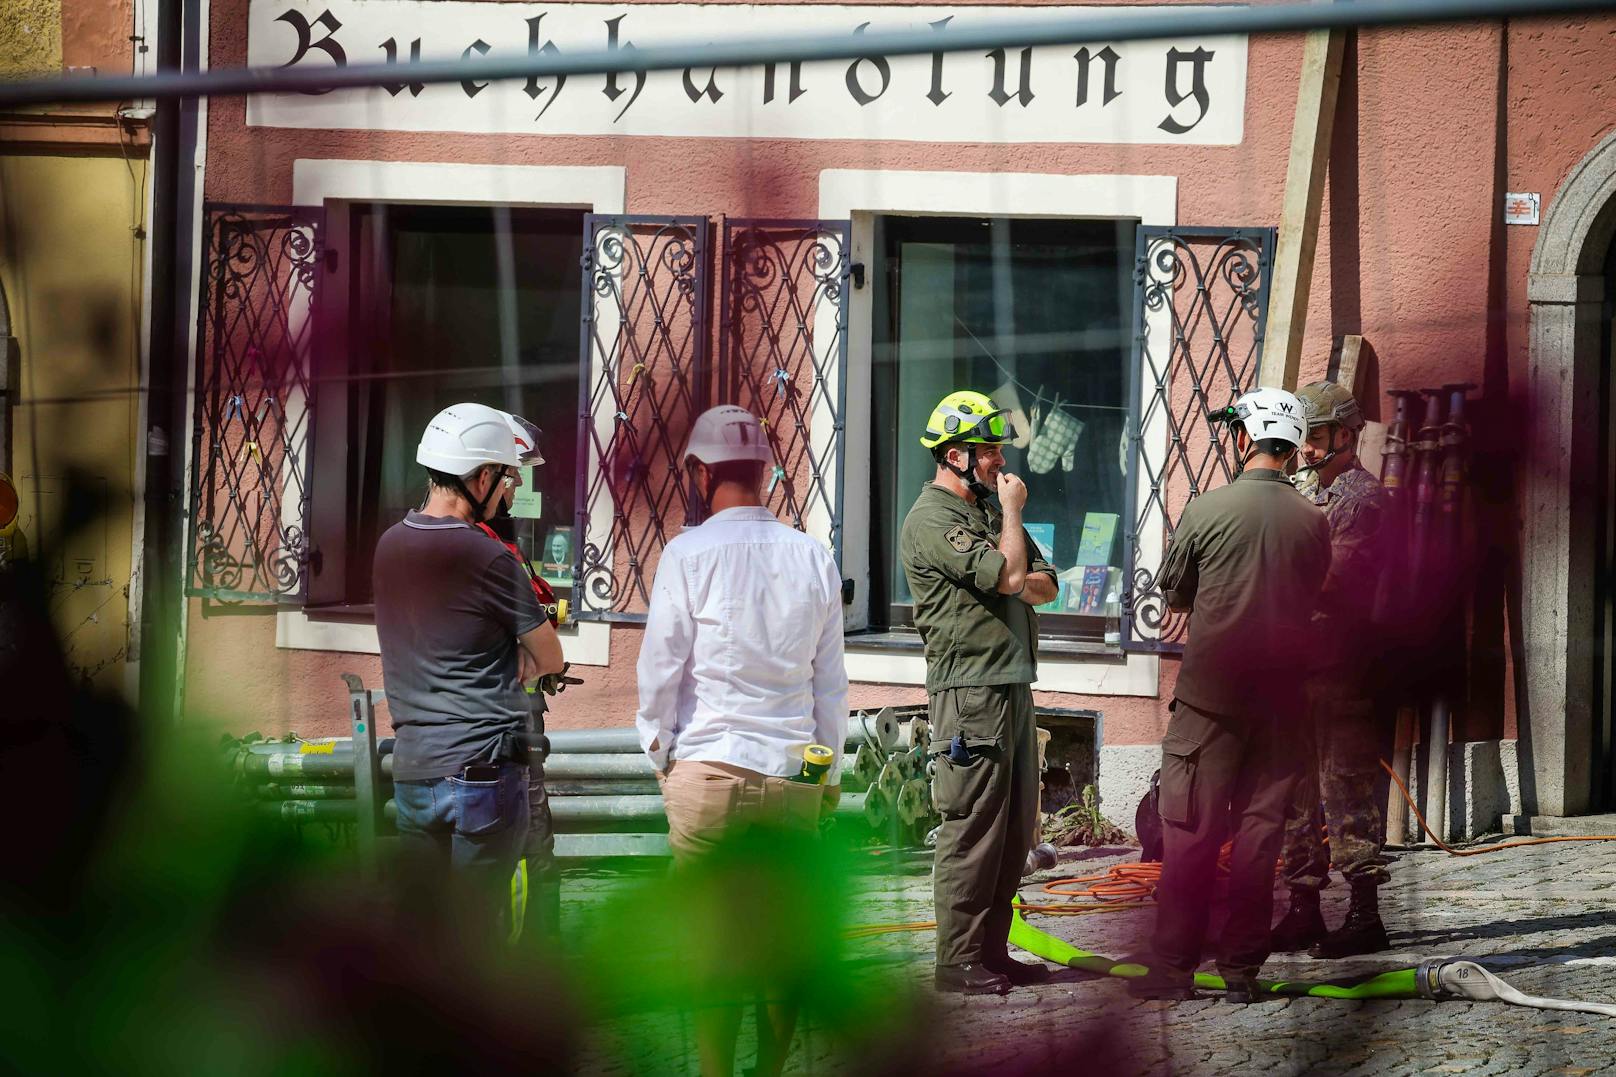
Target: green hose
point(1401, 984)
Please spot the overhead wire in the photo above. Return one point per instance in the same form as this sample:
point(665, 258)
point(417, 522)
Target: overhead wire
point(1125, 25)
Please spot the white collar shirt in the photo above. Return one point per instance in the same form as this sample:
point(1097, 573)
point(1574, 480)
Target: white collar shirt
point(742, 659)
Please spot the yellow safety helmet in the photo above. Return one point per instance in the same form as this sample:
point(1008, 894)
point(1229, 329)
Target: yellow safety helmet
point(966, 417)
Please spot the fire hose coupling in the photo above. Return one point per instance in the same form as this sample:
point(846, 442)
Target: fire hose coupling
point(1440, 978)
point(1428, 978)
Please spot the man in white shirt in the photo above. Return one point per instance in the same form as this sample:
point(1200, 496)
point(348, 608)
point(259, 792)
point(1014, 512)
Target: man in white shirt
point(741, 668)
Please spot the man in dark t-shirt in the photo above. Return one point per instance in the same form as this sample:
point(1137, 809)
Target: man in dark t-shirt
point(460, 632)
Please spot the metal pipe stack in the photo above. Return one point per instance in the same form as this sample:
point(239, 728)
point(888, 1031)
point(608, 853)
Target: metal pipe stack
point(603, 792)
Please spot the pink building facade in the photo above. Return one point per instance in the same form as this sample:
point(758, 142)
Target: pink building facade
point(393, 308)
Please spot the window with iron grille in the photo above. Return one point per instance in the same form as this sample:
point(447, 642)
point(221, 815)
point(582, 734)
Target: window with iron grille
point(428, 306)
point(1200, 309)
point(653, 357)
point(260, 274)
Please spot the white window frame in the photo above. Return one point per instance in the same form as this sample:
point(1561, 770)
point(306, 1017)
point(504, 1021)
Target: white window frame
point(861, 195)
point(315, 182)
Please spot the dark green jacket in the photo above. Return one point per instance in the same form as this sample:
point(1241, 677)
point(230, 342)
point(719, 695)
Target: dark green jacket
point(973, 634)
point(1248, 559)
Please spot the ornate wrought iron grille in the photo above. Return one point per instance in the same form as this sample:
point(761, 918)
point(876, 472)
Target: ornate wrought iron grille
point(249, 491)
point(644, 348)
point(1200, 309)
point(783, 337)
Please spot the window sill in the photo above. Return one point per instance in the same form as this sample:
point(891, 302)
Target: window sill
point(1079, 667)
point(353, 629)
point(906, 640)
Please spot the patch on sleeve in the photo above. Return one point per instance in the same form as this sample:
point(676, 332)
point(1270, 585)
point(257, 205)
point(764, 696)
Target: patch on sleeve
point(959, 538)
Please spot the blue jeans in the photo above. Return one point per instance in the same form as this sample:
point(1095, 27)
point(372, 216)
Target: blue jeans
point(474, 830)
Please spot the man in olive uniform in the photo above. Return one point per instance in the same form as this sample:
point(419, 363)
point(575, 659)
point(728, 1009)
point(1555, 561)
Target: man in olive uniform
point(976, 575)
point(1342, 721)
point(1247, 559)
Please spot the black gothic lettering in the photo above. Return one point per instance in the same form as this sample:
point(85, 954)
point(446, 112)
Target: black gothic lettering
point(305, 33)
point(533, 89)
point(613, 91)
point(936, 95)
point(480, 47)
point(1107, 56)
point(1175, 97)
point(1024, 94)
point(882, 67)
point(710, 91)
point(390, 48)
point(796, 90)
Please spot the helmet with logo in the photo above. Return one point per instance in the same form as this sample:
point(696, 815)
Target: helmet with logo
point(1326, 402)
point(966, 417)
point(1271, 414)
point(527, 441)
point(728, 433)
point(464, 437)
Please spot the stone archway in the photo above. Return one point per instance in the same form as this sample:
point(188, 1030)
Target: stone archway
point(1558, 502)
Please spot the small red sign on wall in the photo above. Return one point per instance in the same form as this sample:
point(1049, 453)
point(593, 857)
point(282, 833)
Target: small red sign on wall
point(1520, 208)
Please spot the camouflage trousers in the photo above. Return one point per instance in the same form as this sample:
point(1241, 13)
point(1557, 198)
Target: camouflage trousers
point(1339, 765)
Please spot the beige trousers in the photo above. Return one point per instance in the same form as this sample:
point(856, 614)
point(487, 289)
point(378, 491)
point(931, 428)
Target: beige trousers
point(706, 802)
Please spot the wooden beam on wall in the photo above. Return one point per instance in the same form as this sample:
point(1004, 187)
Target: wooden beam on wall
point(1292, 274)
point(1344, 371)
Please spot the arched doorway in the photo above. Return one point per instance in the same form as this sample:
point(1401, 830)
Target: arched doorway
point(8, 381)
point(1566, 513)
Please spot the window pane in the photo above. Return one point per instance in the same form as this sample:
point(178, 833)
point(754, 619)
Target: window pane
point(462, 304)
point(1034, 313)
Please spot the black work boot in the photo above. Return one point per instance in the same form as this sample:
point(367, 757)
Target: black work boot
point(1019, 973)
point(1361, 932)
point(1242, 990)
point(1168, 984)
point(972, 978)
point(1301, 927)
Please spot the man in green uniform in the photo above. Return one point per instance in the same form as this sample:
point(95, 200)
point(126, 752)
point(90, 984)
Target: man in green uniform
point(1342, 724)
point(1247, 559)
point(976, 575)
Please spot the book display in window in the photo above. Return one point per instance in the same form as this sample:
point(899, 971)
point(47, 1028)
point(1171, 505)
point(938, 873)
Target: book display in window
point(556, 567)
point(1098, 539)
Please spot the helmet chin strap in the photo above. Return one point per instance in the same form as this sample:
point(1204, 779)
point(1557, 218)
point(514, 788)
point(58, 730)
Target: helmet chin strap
point(1252, 450)
point(1331, 455)
point(967, 474)
point(478, 505)
point(704, 499)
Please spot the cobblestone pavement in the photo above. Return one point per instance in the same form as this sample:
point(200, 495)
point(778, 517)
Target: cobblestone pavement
point(1543, 918)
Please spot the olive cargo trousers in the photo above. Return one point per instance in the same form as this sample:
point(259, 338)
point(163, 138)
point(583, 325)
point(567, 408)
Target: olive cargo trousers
point(989, 807)
point(1223, 778)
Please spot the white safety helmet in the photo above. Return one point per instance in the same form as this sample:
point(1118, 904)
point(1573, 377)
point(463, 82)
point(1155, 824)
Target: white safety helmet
point(464, 437)
point(727, 433)
point(527, 441)
point(1272, 413)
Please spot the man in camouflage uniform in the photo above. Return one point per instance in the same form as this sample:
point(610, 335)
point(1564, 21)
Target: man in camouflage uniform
point(1341, 714)
point(976, 576)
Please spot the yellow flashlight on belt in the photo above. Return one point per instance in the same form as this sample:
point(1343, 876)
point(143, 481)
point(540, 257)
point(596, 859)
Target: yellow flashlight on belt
point(816, 761)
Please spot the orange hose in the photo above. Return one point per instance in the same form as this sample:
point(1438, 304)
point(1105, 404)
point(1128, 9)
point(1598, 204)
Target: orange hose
point(1451, 851)
point(1130, 886)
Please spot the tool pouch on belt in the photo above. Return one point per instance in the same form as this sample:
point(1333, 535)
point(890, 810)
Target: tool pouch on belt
point(977, 716)
point(512, 748)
